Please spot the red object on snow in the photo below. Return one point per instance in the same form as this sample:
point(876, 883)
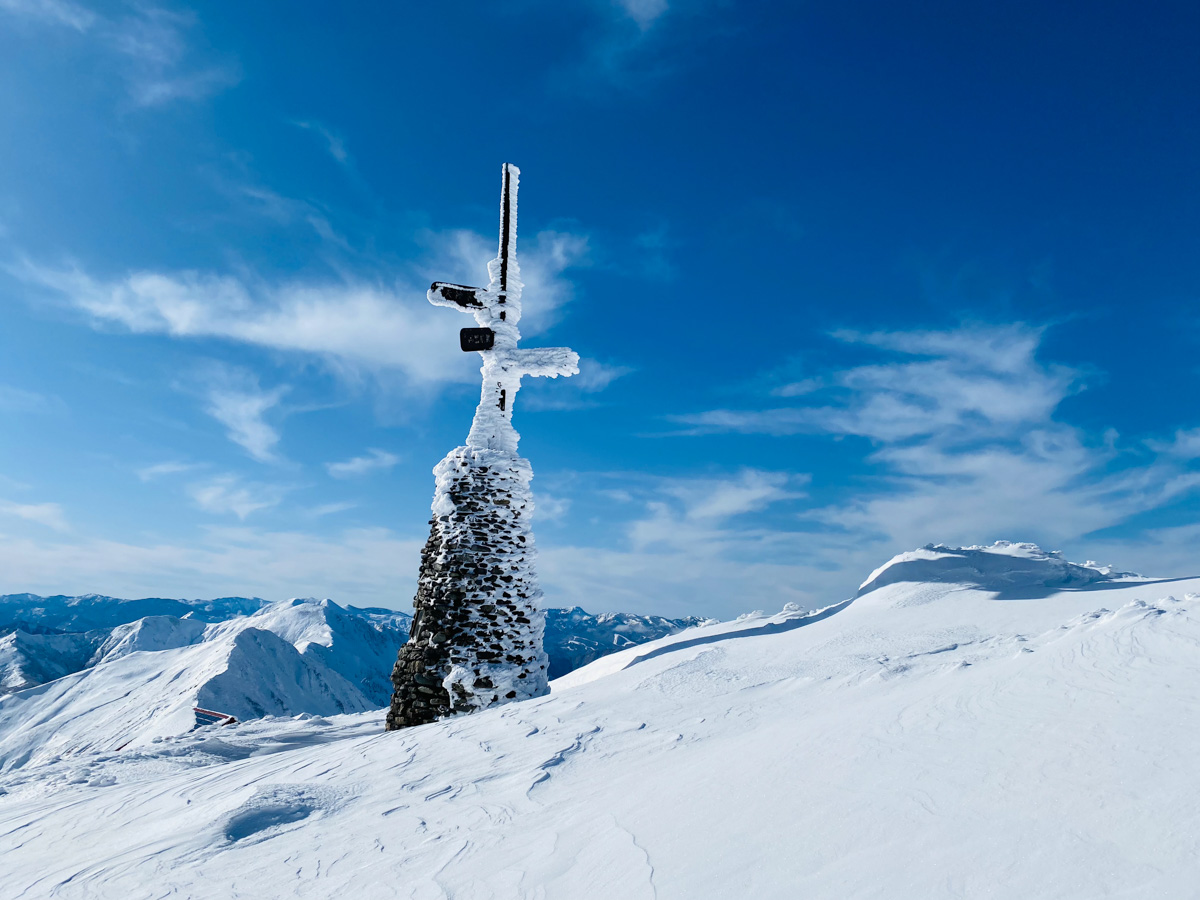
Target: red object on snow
point(208, 717)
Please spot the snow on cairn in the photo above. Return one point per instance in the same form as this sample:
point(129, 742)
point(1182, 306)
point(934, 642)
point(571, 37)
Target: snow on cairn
point(477, 630)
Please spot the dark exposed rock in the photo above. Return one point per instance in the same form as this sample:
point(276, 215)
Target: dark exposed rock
point(458, 658)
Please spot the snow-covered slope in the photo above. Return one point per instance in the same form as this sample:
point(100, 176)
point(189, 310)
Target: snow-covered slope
point(1010, 570)
point(300, 656)
point(31, 657)
point(929, 739)
point(149, 635)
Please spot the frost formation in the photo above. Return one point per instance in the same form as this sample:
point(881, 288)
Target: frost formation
point(477, 630)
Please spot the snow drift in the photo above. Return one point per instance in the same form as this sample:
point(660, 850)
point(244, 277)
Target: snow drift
point(928, 739)
point(1009, 570)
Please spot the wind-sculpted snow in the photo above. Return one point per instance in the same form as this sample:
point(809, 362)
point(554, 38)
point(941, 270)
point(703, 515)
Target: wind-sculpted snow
point(925, 740)
point(1008, 569)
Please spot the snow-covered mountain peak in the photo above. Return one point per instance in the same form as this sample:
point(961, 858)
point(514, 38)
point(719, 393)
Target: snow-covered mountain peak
point(1010, 569)
point(127, 685)
point(150, 633)
point(303, 655)
point(300, 621)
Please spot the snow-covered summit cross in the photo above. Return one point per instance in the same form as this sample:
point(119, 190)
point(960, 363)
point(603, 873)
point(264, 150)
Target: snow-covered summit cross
point(477, 634)
point(497, 311)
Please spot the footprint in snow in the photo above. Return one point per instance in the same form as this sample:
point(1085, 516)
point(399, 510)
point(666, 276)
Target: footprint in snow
point(273, 807)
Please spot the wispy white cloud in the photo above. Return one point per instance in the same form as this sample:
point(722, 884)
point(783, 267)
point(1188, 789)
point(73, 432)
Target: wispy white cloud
point(228, 494)
point(1050, 485)
point(462, 256)
point(644, 12)
point(973, 381)
point(1185, 444)
point(14, 399)
point(632, 45)
point(152, 42)
point(359, 326)
point(334, 143)
point(964, 431)
point(235, 399)
point(549, 508)
point(750, 491)
point(694, 512)
point(578, 391)
point(171, 467)
point(963, 445)
point(159, 90)
point(281, 210)
point(56, 12)
point(329, 509)
point(48, 514)
point(374, 461)
point(595, 376)
point(797, 388)
point(1168, 552)
point(694, 545)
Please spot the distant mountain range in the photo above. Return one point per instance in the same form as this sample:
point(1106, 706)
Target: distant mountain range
point(44, 638)
point(575, 638)
point(101, 672)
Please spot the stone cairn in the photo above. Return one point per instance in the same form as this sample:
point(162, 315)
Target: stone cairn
point(477, 629)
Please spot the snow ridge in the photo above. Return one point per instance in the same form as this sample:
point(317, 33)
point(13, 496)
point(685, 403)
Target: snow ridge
point(1008, 568)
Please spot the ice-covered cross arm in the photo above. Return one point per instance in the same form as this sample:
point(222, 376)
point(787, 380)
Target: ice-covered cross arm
point(552, 361)
point(497, 310)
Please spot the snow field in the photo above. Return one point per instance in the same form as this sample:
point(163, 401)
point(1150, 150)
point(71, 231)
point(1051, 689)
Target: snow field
point(927, 740)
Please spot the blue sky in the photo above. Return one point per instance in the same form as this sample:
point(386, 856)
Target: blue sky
point(846, 279)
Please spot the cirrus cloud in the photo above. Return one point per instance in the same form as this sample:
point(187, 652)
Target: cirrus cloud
point(373, 461)
point(356, 325)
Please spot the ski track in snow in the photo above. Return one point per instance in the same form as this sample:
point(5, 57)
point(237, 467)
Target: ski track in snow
point(923, 741)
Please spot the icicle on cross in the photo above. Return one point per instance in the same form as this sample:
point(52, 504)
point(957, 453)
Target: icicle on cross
point(497, 310)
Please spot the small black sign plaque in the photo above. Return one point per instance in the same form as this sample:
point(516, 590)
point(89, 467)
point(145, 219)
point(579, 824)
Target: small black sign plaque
point(476, 339)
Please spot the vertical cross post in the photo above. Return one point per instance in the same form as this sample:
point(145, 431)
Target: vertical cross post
point(477, 630)
point(497, 311)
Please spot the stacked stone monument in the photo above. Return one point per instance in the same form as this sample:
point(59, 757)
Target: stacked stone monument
point(477, 629)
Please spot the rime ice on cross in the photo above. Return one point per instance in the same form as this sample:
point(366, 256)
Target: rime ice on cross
point(497, 310)
point(477, 634)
